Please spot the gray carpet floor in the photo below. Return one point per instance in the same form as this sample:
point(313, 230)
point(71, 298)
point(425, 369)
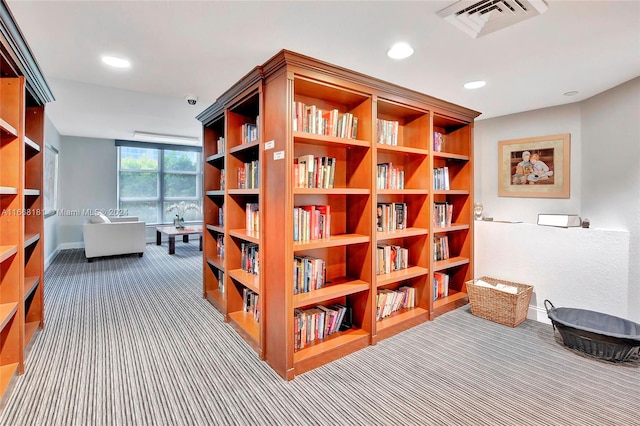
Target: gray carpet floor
point(130, 341)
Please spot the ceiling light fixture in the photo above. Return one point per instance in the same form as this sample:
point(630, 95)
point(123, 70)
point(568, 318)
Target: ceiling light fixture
point(160, 137)
point(400, 50)
point(475, 84)
point(571, 93)
point(116, 62)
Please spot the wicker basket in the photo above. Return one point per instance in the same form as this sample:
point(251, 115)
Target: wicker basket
point(499, 306)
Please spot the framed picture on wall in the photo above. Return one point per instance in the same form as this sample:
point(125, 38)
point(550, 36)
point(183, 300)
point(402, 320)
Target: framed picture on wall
point(537, 167)
point(50, 181)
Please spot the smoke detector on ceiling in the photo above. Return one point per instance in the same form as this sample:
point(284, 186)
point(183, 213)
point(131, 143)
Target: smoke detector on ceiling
point(478, 18)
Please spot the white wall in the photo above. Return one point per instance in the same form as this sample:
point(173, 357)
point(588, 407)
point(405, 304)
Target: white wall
point(611, 176)
point(51, 223)
point(605, 188)
point(88, 181)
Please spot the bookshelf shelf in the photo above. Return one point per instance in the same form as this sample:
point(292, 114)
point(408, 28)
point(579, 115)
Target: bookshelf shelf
point(215, 193)
point(339, 287)
point(243, 234)
point(7, 190)
point(7, 311)
point(7, 251)
point(401, 275)
point(216, 262)
point(375, 185)
point(333, 241)
point(23, 95)
point(251, 281)
point(403, 233)
point(30, 284)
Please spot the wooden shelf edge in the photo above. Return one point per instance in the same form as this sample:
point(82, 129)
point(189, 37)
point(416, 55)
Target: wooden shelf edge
point(30, 284)
point(7, 251)
point(216, 262)
point(449, 155)
point(249, 191)
point(304, 137)
point(333, 241)
point(244, 147)
point(31, 192)
point(214, 158)
point(446, 304)
point(30, 239)
point(331, 348)
point(399, 321)
point(216, 298)
point(7, 311)
point(8, 190)
point(247, 327)
point(452, 227)
point(215, 228)
point(452, 262)
point(243, 234)
point(251, 281)
point(8, 128)
point(402, 149)
point(343, 287)
point(408, 191)
point(31, 144)
point(404, 233)
point(401, 275)
point(331, 191)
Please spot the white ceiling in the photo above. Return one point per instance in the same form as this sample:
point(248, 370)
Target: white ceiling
point(203, 47)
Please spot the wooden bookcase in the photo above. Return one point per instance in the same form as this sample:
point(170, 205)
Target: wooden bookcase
point(23, 93)
point(271, 96)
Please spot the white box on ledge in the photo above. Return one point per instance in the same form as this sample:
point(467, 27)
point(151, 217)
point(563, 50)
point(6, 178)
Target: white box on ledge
point(560, 220)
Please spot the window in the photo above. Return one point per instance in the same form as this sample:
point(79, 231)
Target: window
point(150, 179)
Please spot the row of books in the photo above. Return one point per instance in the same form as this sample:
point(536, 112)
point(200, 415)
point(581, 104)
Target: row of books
point(387, 132)
point(313, 172)
point(438, 141)
point(252, 217)
point(441, 178)
point(317, 323)
point(222, 179)
point(311, 119)
point(220, 145)
point(440, 285)
point(389, 301)
point(391, 258)
point(220, 245)
point(250, 303)
point(309, 273)
point(442, 214)
point(389, 176)
point(311, 222)
point(249, 175)
point(391, 217)
point(250, 259)
point(440, 247)
point(249, 132)
point(221, 215)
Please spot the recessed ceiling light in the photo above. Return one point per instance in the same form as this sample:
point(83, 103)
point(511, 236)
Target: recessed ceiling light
point(571, 93)
point(116, 62)
point(400, 51)
point(475, 84)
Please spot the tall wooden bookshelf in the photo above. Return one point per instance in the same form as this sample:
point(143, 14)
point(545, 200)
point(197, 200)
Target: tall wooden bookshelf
point(271, 96)
point(23, 93)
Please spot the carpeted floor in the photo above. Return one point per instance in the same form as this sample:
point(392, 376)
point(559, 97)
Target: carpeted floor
point(130, 341)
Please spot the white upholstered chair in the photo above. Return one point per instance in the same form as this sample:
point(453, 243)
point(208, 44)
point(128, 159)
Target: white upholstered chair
point(109, 236)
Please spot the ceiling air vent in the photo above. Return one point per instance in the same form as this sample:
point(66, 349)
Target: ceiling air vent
point(478, 18)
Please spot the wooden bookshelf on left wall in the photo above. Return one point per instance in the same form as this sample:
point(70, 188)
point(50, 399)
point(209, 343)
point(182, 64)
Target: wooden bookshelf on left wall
point(23, 95)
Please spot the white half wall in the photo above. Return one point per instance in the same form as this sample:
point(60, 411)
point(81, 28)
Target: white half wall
point(605, 188)
point(572, 267)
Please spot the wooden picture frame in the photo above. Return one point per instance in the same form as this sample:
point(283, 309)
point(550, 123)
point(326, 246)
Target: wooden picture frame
point(537, 167)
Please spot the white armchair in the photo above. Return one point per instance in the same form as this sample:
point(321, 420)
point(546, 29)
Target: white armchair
point(108, 236)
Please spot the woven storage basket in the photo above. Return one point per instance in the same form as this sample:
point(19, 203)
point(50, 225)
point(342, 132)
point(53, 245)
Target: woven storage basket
point(499, 306)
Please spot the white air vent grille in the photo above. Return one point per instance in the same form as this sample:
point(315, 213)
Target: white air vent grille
point(478, 18)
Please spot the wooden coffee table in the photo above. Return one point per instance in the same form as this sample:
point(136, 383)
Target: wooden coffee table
point(172, 231)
